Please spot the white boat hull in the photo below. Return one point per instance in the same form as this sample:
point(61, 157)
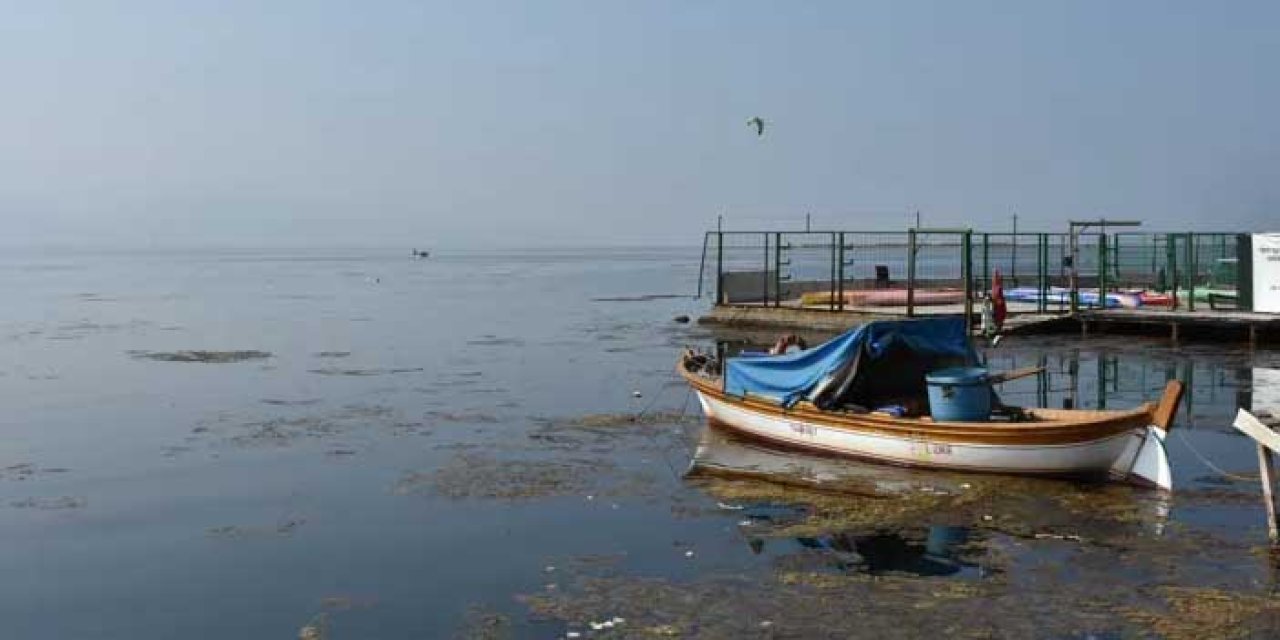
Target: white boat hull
point(1124, 454)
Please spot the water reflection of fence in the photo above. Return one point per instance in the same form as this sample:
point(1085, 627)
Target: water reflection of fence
point(1098, 379)
point(944, 270)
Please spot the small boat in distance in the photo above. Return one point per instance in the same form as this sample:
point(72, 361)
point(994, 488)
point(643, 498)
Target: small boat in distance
point(418, 255)
point(883, 392)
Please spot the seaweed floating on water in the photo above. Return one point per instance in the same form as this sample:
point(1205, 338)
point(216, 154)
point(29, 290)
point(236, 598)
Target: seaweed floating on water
point(283, 528)
point(490, 340)
point(50, 504)
point(25, 470)
point(207, 357)
point(652, 432)
point(480, 623)
point(1204, 612)
point(291, 403)
point(335, 371)
point(468, 417)
point(470, 476)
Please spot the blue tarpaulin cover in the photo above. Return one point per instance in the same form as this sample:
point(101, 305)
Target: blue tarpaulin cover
point(789, 378)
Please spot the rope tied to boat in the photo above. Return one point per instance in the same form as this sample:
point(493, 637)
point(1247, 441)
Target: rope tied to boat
point(1209, 463)
point(679, 421)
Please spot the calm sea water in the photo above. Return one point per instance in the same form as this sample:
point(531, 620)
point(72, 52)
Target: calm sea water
point(418, 445)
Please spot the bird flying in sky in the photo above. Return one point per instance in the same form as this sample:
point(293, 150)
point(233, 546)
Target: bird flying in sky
point(758, 123)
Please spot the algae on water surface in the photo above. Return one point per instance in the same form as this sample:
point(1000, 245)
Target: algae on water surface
point(208, 357)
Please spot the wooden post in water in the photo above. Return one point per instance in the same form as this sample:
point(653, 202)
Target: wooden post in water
point(1267, 441)
point(1267, 472)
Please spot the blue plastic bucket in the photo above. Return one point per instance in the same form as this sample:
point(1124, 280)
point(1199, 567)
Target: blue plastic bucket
point(962, 394)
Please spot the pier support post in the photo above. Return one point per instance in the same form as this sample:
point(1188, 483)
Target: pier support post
point(1253, 336)
point(1261, 428)
point(1173, 331)
point(1084, 328)
point(1266, 469)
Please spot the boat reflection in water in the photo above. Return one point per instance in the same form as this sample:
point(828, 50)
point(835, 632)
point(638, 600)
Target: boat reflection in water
point(900, 520)
point(931, 550)
point(880, 553)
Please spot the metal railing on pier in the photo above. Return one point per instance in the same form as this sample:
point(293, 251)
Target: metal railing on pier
point(947, 271)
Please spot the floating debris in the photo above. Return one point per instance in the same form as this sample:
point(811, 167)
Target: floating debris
point(490, 340)
point(207, 357)
point(284, 528)
point(291, 403)
point(334, 371)
point(466, 417)
point(480, 623)
point(471, 476)
point(316, 629)
point(50, 504)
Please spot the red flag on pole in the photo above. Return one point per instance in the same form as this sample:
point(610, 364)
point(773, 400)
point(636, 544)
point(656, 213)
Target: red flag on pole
point(999, 310)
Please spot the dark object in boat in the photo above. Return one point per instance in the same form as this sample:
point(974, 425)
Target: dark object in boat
point(421, 254)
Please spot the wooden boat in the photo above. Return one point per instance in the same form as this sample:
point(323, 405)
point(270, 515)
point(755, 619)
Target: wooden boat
point(1127, 445)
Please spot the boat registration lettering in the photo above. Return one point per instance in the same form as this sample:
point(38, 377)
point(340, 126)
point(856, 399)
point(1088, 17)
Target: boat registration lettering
point(803, 429)
point(925, 449)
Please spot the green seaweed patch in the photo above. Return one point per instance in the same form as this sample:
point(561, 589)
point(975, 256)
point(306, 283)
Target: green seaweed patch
point(479, 476)
point(206, 357)
point(467, 417)
point(606, 429)
point(281, 402)
point(481, 623)
point(1192, 613)
point(286, 430)
point(1028, 508)
point(58, 503)
point(805, 604)
point(359, 373)
point(284, 528)
point(27, 470)
point(848, 508)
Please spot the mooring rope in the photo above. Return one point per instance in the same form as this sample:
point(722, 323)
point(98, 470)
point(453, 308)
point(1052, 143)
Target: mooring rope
point(662, 388)
point(679, 420)
point(1207, 462)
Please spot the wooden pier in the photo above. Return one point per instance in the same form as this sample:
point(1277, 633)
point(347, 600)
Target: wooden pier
point(1218, 325)
point(1244, 326)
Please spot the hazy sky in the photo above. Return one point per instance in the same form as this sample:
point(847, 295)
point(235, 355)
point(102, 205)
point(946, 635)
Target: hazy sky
point(455, 124)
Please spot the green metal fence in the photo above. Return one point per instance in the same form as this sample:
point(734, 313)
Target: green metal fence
point(934, 271)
